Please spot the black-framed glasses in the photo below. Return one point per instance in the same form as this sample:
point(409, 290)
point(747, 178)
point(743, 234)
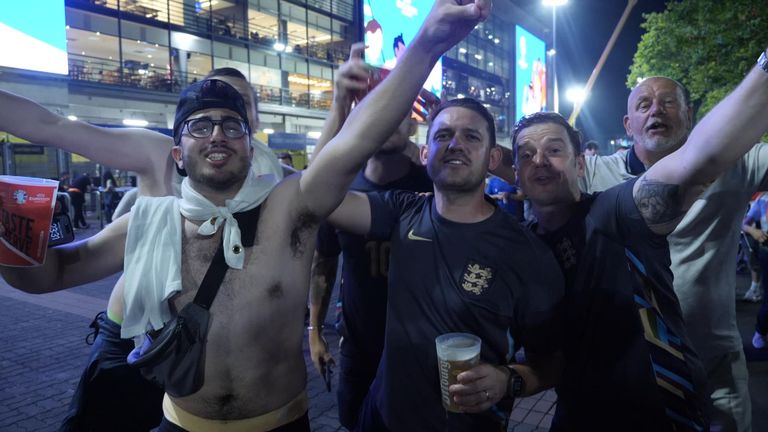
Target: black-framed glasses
point(203, 127)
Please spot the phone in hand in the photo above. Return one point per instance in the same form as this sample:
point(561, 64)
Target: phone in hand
point(61, 231)
point(327, 375)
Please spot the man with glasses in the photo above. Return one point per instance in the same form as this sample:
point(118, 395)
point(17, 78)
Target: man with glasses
point(94, 404)
point(254, 367)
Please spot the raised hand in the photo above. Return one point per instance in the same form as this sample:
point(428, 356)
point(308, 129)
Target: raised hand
point(352, 78)
point(450, 21)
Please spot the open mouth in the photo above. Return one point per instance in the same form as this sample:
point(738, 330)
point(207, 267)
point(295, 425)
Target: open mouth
point(455, 161)
point(657, 126)
point(543, 179)
point(217, 157)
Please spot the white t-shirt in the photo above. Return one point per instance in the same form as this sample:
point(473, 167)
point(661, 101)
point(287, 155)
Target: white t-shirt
point(703, 247)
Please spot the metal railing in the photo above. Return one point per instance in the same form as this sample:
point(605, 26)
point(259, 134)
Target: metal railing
point(104, 71)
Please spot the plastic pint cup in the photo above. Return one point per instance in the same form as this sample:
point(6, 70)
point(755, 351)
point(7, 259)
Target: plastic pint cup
point(456, 353)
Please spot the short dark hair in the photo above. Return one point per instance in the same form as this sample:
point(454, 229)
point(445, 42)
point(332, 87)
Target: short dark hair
point(285, 155)
point(398, 41)
point(547, 117)
point(234, 73)
point(591, 145)
point(472, 105)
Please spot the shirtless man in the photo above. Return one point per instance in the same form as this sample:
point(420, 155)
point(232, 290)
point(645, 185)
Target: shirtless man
point(94, 405)
point(252, 362)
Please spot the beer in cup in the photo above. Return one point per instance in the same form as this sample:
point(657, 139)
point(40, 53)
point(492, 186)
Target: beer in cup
point(456, 353)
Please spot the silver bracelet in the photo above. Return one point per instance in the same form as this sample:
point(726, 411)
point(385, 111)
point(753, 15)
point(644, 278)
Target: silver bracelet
point(311, 327)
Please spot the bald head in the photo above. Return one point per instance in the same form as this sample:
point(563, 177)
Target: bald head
point(659, 118)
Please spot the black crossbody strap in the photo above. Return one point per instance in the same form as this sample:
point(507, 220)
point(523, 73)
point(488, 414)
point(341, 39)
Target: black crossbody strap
point(248, 222)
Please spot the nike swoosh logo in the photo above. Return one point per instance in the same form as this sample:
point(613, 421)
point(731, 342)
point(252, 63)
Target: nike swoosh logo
point(412, 236)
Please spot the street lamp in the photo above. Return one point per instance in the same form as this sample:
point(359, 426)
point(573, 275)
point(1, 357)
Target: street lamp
point(554, 4)
point(576, 95)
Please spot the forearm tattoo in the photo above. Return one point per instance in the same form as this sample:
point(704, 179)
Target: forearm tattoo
point(659, 203)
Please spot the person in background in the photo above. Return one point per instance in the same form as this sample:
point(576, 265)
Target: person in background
point(286, 159)
point(755, 292)
point(80, 186)
point(591, 148)
point(508, 197)
point(64, 181)
point(758, 214)
point(109, 196)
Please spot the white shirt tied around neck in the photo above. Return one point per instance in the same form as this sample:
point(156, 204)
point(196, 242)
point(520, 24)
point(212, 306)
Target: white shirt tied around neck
point(194, 206)
point(153, 244)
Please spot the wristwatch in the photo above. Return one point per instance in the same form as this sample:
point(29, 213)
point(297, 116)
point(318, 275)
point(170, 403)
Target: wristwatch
point(763, 62)
point(515, 383)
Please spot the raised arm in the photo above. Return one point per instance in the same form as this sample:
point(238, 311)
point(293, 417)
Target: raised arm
point(145, 152)
point(669, 188)
point(323, 185)
point(350, 86)
point(73, 264)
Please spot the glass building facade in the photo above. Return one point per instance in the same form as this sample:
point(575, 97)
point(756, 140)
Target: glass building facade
point(128, 59)
point(287, 49)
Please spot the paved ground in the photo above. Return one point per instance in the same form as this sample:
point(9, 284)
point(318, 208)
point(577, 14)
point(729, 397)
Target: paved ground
point(43, 353)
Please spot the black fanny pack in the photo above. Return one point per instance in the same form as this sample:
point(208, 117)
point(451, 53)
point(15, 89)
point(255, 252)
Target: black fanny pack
point(175, 358)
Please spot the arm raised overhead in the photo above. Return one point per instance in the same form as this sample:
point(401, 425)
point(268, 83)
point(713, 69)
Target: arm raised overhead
point(669, 188)
point(145, 152)
point(323, 185)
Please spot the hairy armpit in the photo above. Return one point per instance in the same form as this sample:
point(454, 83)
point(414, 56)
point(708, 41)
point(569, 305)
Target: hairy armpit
point(659, 203)
point(305, 223)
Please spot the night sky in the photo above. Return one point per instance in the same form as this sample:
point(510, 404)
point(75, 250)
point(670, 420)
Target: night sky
point(583, 29)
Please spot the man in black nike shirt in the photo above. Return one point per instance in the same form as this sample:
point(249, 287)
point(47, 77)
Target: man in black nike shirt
point(457, 264)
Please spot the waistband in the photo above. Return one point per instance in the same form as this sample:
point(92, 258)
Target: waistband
point(263, 423)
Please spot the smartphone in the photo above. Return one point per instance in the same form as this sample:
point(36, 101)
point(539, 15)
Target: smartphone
point(327, 375)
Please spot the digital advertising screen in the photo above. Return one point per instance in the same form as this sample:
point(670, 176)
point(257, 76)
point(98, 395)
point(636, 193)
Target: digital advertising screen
point(530, 73)
point(34, 38)
point(388, 27)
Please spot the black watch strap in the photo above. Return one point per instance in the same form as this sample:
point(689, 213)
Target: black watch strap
point(515, 383)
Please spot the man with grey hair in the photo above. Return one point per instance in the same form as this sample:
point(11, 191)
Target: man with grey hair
point(703, 247)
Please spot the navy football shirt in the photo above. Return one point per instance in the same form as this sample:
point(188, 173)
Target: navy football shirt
point(493, 278)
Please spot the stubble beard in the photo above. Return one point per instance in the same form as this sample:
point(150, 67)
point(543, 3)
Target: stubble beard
point(443, 182)
point(664, 145)
point(221, 181)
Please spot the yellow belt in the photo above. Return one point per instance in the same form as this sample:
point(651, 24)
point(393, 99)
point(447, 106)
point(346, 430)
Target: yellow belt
point(263, 423)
